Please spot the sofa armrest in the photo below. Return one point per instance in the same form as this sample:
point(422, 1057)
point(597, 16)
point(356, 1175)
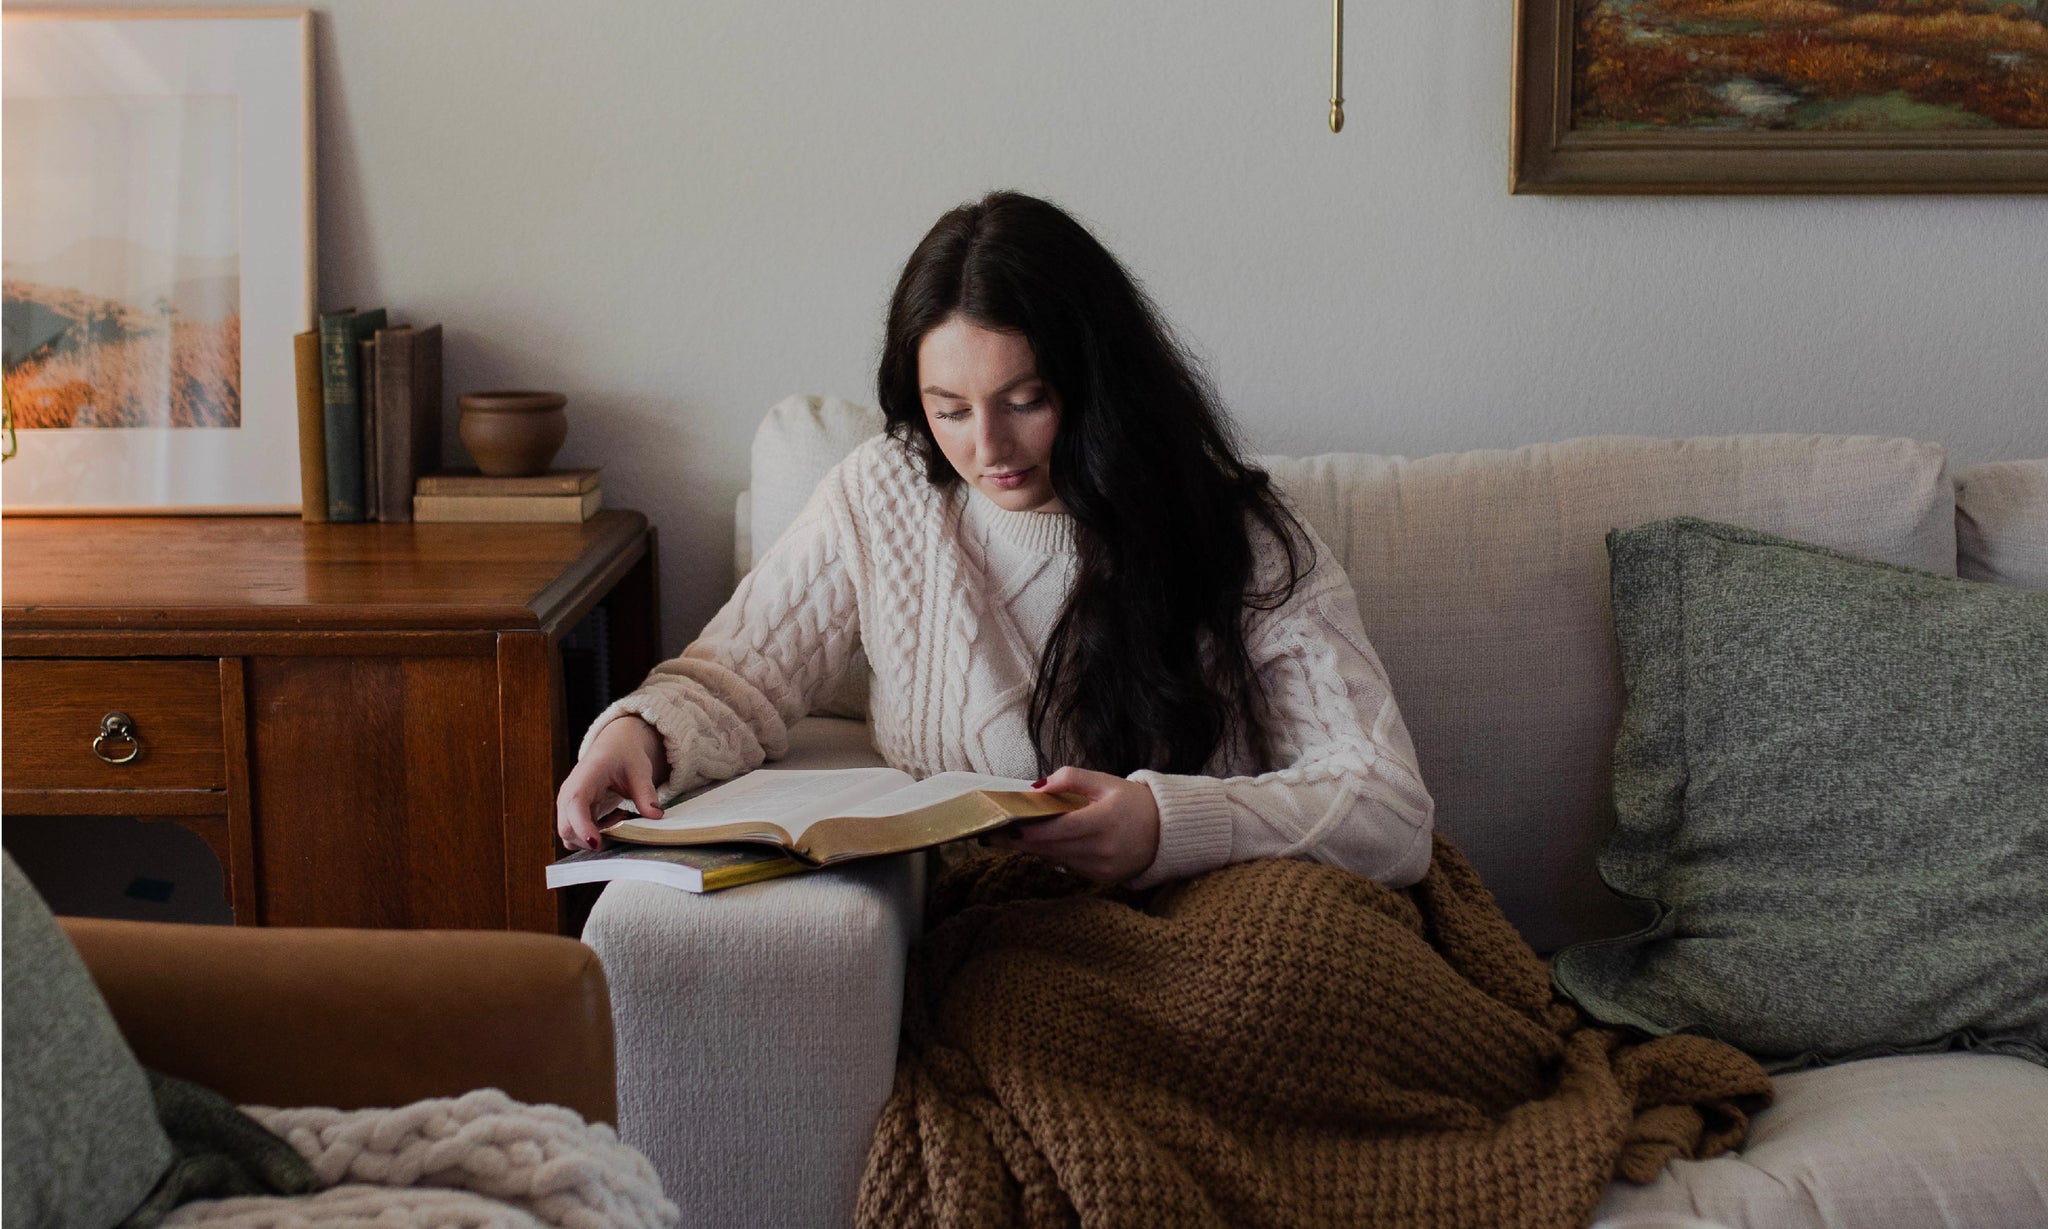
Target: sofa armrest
point(757, 1033)
point(358, 1018)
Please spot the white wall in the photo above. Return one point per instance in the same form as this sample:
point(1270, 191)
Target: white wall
point(680, 212)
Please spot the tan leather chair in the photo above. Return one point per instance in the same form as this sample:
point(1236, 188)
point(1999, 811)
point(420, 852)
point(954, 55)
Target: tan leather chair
point(359, 1018)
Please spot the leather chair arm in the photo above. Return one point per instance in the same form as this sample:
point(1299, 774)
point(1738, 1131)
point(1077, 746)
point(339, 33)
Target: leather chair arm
point(359, 1018)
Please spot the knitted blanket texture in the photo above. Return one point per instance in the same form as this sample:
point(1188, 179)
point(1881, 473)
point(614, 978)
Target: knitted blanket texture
point(1277, 1043)
point(479, 1161)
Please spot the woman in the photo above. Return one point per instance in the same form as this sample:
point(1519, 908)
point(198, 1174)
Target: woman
point(1060, 567)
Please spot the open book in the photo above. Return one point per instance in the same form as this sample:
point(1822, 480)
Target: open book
point(832, 815)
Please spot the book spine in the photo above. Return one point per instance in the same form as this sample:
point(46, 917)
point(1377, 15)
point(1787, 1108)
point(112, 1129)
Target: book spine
point(342, 415)
point(426, 406)
point(561, 482)
point(752, 872)
point(312, 428)
point(408, 381)
point(559, 509)
point(373, 502)
point(392, 379)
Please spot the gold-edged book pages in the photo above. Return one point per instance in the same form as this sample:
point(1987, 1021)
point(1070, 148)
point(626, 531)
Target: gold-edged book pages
point(837, 815)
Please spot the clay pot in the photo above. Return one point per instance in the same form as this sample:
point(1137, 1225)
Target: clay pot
point(512, 433)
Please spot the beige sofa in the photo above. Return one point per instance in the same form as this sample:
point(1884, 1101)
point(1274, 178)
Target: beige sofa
point(757, 1026)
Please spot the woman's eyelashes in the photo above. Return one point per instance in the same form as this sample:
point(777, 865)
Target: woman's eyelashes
point(1015, 407)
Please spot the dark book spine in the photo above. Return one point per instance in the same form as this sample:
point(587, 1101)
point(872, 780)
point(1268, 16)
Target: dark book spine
point(426, 406)
point(408, 413)
point(343, 417)
point(373, 495)
point(342, 407)
point(312, 428)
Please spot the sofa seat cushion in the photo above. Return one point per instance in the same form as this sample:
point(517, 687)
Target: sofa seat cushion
point(831, 742)
point(1885, 1143)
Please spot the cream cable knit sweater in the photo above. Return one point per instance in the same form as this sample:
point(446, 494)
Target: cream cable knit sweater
point(952, 597)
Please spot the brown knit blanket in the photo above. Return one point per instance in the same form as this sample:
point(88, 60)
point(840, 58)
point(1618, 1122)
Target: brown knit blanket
point(1274, 1043)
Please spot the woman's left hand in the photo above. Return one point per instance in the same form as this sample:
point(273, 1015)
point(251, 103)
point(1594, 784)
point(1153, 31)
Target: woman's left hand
point(1113, 838)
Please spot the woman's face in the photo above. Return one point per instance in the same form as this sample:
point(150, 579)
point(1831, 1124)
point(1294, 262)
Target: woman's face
point(992, 415)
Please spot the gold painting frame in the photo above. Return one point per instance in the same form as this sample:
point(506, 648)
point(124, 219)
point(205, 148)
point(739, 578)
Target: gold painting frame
point(1549, 155)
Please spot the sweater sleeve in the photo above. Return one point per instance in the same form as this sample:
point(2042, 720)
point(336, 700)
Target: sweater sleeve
point(1346, 789)
point(726, 703)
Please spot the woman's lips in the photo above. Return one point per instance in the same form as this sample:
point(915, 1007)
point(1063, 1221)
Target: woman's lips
point(1011, 480)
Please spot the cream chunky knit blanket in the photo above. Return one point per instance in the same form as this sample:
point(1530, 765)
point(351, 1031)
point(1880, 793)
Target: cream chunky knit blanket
point(479, 1161)
point(1277, 1043)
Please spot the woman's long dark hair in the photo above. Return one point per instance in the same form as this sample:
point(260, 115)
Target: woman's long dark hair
point(1146, 666)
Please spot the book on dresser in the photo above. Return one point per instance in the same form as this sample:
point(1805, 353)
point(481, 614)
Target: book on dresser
point(470, 482)
point(341, 336)
point(823, 816)
point(312, 428)
point(406, 385)
point(560, 509)
point(566, 496)
point(693, 868)
point(366, 401)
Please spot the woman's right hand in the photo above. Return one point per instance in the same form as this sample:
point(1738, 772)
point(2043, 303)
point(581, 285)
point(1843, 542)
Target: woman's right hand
point(626, 758)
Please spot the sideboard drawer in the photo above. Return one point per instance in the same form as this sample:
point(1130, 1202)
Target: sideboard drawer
point(54, 711)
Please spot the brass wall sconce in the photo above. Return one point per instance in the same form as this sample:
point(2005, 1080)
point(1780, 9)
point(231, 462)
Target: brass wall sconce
point(1336, 65)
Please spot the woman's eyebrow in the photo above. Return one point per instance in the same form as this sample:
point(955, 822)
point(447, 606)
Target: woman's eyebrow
point(936, 391)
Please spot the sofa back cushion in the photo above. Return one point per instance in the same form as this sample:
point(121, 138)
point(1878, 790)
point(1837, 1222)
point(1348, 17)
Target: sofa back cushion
point(2002, 523)
point(796, 445)
point(1482, 579)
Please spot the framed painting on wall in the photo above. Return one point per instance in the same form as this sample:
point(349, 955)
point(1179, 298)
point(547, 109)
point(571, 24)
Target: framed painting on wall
point(1723, 96)
point(158, 258)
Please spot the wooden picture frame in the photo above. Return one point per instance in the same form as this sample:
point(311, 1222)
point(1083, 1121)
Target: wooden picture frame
point(159, 257)
point(1553, 152)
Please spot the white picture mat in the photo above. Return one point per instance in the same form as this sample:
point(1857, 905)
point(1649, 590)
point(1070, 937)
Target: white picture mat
point(264, 62)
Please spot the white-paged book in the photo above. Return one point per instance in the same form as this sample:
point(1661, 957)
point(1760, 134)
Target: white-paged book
point(693, 868)
point(835, 815)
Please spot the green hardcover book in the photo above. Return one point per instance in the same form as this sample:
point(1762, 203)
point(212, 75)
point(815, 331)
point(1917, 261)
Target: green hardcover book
point(341, 336)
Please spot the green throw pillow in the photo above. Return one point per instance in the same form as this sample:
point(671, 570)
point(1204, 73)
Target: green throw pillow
point(83, 1142)
point(1831, 782)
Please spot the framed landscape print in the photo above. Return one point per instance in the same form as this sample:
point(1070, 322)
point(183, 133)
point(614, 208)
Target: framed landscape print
point(158, 257)
point(1781, 96)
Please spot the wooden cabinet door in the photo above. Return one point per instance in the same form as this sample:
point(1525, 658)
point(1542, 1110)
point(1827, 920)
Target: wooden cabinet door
point(377, 790)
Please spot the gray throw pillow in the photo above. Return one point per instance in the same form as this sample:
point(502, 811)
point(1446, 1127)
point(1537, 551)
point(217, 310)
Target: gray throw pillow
point(83, 1142)
point(1831, 782)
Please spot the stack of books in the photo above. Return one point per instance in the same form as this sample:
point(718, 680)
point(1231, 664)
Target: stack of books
point(565, 496)
point(369, 415)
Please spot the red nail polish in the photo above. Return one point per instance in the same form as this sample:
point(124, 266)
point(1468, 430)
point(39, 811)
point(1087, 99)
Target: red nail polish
point(1038, 784)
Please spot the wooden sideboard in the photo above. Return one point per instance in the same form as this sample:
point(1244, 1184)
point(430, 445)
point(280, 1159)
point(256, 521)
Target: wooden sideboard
point(366, 723)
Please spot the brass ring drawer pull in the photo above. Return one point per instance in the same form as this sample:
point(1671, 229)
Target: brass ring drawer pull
point(117, 727)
